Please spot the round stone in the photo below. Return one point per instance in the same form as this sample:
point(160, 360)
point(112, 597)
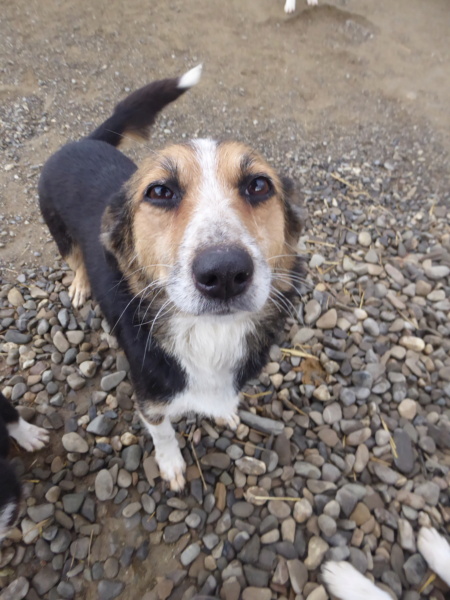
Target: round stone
point(407, 409)
point(412, 343)
point(251, 466)
point(104, 485)
point(327, 320)
point(364, 238)
point(302, 510)
point(73, 442)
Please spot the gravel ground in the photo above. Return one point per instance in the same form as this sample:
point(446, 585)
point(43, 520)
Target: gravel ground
point(344, 447)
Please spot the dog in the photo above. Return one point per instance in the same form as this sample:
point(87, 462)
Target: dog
point(289, 7)
point(191, 257)
point(344, 582)
point(31, 438)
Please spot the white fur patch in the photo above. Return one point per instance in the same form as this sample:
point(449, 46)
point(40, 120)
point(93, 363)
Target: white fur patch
point(346, 583)
point(29, 436)
point(436, 551)
point(5, 518)
point(289, 7)
point(312, 2)
point(214, 222)
point(190, 78)
point(209, 349)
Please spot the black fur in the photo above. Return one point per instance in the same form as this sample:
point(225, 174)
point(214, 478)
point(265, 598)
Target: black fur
point(10, 491)
point(136, 114)
point(77, 184)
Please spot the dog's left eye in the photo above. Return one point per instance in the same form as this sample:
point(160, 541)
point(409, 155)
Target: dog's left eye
point(259, 188)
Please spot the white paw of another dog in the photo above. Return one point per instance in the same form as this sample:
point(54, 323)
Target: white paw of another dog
point(289, 7)
point(172, 467)
point(345, 582)
point(436, 551)
point(30, 437)
point(232, 422)
point(312, 2)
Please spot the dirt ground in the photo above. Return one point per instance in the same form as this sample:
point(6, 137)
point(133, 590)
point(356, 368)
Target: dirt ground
point(335, 79)
point(334, 76)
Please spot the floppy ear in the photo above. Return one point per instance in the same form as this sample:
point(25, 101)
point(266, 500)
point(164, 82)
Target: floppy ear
point(292, 212)
point(116, 230)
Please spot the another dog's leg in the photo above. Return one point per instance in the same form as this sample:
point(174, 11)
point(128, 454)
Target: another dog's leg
point(167, 453)
point(436, 551)
point(30, 437)
point(79, 289)
point(10, 492)
point(289, 7)
point(346, 583)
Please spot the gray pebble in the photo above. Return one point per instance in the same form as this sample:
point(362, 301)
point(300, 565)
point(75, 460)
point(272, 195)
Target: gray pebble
point(189, 554)
point(108, 590)
point(44, 580)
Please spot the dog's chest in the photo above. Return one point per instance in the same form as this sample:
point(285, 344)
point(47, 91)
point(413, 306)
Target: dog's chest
point(210, 349)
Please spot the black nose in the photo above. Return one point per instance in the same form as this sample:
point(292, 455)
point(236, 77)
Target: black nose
point(222, 272)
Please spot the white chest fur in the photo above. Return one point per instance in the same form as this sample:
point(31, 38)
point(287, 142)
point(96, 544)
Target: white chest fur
point(209, 349)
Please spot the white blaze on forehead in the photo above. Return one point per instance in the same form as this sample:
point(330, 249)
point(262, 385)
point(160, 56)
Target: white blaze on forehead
point(213, 213)
point(210, 192)
point(214, 221)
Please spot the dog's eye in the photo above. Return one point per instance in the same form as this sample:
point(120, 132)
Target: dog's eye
point(258, 189)
point(160, 193)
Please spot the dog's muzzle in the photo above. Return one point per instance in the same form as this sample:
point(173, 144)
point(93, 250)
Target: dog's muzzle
point(222, 272)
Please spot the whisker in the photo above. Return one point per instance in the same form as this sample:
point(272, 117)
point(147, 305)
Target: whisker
point(288, 306)
point(285, 279)
point(150, 333)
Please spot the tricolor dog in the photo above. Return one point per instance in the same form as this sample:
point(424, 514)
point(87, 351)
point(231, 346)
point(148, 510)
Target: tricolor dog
point(191, 256)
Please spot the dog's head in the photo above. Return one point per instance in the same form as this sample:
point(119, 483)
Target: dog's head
point(210, 224)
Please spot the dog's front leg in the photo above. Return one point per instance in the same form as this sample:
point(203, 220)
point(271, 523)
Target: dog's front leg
point(167, 453)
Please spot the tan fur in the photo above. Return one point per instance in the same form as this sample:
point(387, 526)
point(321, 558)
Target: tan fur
point(264, 221)
point(157, 233)
point(80, 288)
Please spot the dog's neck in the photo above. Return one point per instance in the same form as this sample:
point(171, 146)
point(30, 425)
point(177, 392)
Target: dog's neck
point(209, 342)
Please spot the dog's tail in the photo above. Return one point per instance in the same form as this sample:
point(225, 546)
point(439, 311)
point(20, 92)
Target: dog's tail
point(136, 114)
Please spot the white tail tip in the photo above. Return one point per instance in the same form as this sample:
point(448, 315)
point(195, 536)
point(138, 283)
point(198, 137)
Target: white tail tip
point(190, 78)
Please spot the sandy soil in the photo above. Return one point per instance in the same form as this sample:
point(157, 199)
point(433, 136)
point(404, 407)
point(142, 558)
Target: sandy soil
point(331, 75)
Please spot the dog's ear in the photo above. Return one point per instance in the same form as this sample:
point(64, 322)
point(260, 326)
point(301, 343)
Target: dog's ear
point(116, 225)
point(292, 212)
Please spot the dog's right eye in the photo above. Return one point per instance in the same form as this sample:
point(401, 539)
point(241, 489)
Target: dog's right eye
point(161, 195)
point(159, 192)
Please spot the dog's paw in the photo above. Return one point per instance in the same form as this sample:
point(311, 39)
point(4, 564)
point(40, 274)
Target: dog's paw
point(312, 2)
point(289, 7)
point(172, 468)
point(232, 421)
point(79, 290)
point(30, 437)
point(346, 583)
point(436, 551)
